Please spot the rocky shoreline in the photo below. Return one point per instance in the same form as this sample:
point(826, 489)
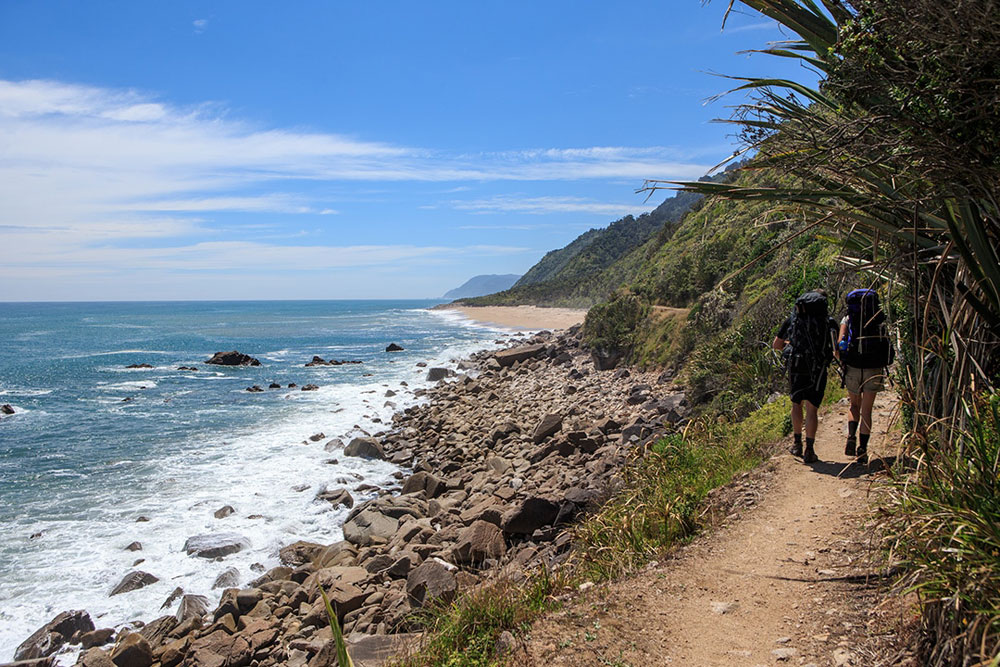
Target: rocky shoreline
point(503, 457)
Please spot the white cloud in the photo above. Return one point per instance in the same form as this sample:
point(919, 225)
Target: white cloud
point(86, 170)
point(547, 205)
point(199, 25)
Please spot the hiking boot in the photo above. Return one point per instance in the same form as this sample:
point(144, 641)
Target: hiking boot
point(796, 450)
point(862, 454)
point(809, 456)
point(851, 447)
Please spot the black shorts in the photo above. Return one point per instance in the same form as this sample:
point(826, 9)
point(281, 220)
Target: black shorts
point(807, 388)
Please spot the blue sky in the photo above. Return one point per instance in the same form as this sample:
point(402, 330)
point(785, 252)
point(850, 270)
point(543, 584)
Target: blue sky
point(262, 150)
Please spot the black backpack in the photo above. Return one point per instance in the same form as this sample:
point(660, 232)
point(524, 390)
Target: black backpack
point(868, 342)
point(810, 346)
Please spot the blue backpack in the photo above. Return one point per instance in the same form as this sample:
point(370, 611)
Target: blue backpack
point(868, 342)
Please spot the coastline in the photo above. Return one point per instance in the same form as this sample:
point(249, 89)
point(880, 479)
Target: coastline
point(520, 317)
point(495, 483)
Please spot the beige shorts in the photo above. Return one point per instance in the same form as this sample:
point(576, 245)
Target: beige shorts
point(859, 380)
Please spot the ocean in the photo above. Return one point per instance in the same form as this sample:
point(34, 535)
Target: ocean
point(98, 456)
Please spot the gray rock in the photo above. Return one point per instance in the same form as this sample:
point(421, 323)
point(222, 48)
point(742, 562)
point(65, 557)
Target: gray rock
point(228, 578)
point(215, 546)
point(133, 581)
point(366, 448)
point(224, 511)
point(479, 541)
point(369, 526)
point(436, 374)
point(96, 638)
point(191, 606)
point(431, 582)
point(336, 497)
point(549, 425)
point(513, 355)
point(393, 347)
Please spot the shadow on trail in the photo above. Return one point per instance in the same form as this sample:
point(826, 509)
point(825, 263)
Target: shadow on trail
point(842, 470)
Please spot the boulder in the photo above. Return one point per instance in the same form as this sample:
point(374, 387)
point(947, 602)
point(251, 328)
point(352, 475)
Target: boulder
point(224, 511)
point(93, 657)
point(310, 387)
point(479, 541)
point(431, 582)
point(133, 581)
point(135, 546)
point(6, 409)
point(132, 651)
point(392, 347)
point(317, 361)
point(531, 514)
point(155, 632)
point(215, 546)
point(139, 366)
point(424, 481)
point(228, 578)
point(192, 606)
point(174, 595)
point(299, 553)
point(369, 526)
point(256, 389)
point(366, 448)
point(233, 358)
point(549, 425)
point(96, 638)
point(513, 355)
point(49, 638)
point(336, 497)
point(436, 374)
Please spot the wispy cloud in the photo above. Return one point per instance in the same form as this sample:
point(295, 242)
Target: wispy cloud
point(546, 205)
point(89, 173)
point(200, 25)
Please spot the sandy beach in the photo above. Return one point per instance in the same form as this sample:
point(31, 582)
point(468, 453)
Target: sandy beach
point(522, 317)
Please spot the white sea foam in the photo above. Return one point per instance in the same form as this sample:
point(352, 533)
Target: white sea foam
point(75, 563)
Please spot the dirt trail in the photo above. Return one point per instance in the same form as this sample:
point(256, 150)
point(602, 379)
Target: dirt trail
point(781, 583)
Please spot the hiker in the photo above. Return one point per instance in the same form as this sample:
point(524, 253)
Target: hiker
point(866, 353)
point(806, 341)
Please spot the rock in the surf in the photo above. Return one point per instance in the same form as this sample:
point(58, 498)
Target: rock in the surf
point(366, 448)
point(49, 638)
point(6, 409)
point(133, 581)
point(215, 546)
point(228, 578)
point(393, 347)
point(233, 358)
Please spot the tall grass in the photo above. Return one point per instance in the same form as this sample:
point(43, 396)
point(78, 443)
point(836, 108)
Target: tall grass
point(945, 529)
point(662, 499)
point(467, 632)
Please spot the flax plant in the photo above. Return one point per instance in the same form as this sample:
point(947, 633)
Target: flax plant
point(895, 153)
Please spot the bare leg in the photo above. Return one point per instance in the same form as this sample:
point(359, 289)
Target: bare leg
point(855, 410)
point(797, 418)
point(812, 420)
point(867, 401)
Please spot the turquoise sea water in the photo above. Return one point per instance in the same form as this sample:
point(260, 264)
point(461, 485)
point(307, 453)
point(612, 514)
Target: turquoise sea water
point(93, 445)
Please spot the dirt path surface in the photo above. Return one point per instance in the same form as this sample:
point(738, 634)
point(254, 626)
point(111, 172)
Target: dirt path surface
point(782, 582)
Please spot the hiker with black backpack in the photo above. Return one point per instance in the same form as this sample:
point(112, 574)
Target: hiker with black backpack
point(806, 341)
point(866, 352)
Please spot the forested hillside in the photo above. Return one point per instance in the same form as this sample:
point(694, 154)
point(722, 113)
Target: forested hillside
point(594, 264)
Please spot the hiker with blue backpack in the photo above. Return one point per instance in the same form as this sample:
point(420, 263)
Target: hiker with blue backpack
point(806, 341)
point(866, 353)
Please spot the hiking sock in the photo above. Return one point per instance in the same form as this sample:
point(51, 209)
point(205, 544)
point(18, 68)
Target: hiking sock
point(796, 449)
point(852, 442)
point(810, 456)
point(863, 446)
